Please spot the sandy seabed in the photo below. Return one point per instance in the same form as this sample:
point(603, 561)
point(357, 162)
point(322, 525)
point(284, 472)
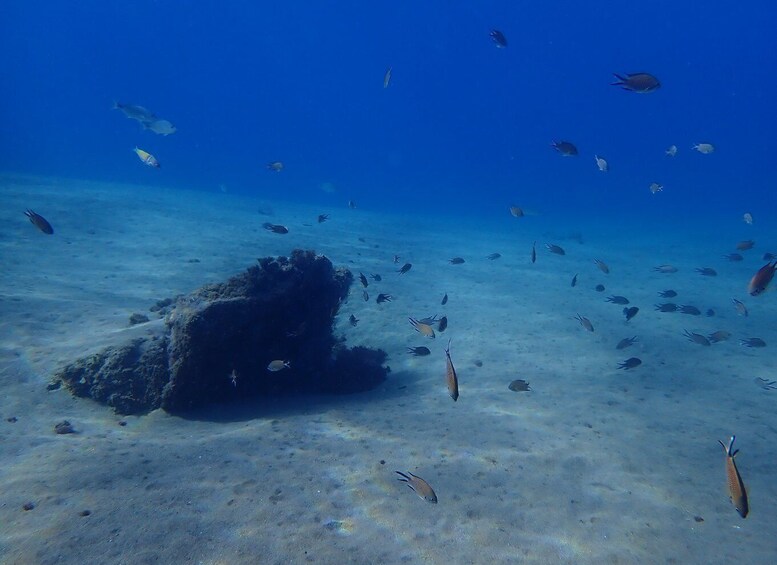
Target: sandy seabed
point(594, 465)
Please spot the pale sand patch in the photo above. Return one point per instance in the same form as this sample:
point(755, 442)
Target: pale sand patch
point(595, 465)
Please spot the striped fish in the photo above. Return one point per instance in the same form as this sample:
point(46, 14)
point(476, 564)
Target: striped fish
point(450, 374)
point(418, 486)
point(736, 488)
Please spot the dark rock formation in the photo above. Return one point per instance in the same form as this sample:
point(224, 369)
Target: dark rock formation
point(219, 340)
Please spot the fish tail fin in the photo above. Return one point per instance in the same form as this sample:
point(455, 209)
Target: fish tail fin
point(620, 79)
point(402, 476)
point(730, 451)
point(447, 350)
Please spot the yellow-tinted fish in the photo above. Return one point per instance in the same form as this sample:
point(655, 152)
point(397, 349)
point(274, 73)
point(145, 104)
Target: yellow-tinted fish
point(387, 78)
point(418, 486)
point(736, 488)
point(424, 329)
point(278, 365)
point(450, 374)
point(147, 158)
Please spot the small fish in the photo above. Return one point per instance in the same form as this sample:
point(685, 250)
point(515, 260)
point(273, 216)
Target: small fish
point(444, 300)
point(365, 295)
point(160, 127)
point(383, 298)
point(147, 158)
point(450, 374)
point(707, 272)
point(396, 259)
point(630, 312)
point(709, 312)
point(761, 279)
point(667, 307)
point(354, 320)
point(630, 363)
point(418, 486)
point(442, 324)
point(692, 310)
point(574, 280)
point(745, 245)
point(769, 256)
point(275, 228)
point(566, 148)
point(617, 299)
point(387, 78)
point(322, 218)
point(733, 257)
point(667, 293)
point(599, 288)
point(352, 205)
point(626, 342)
point(665, 269)
point(376, 278)
point(601, 163)
point(602, 266)
point(493, 256)
point(134, 112)
point(704, 148)
point(696, 338)
point(740, 307)
point(585, 322)
point(641, 83)
point(519, 385)
point(671, 151)
point(233, 378)
point(736, 488)
point(655, 187)
point(719, 335)
point(405, 268)
point(39, 222)
point(276, 166)
point(424, 329)
point(752, 342)
point(278, 365)
point(456, 261)
point(553, 248)
point(498, 38)
point(748, 218)
point(534, 252)
point(418, 351)
point(516, 212)
point(363, 280)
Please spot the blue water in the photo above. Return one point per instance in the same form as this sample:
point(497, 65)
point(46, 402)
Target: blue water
point(464, 127)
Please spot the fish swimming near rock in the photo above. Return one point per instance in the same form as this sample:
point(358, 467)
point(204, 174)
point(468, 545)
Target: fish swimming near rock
point(147, 158)
point(418, 486)
point(451, 378)
point(761, 279)
point(637, 82)
point(39, 222)
point(736, 488)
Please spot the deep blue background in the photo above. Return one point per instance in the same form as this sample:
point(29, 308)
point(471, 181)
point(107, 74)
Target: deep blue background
point(464, 126)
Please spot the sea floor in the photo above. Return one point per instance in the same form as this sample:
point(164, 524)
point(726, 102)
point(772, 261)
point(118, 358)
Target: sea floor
point(594, 464)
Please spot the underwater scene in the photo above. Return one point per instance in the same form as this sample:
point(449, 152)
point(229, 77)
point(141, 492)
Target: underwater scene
point(390, 282)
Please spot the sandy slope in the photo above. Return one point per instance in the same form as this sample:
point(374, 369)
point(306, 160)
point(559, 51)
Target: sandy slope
point(595, 465)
